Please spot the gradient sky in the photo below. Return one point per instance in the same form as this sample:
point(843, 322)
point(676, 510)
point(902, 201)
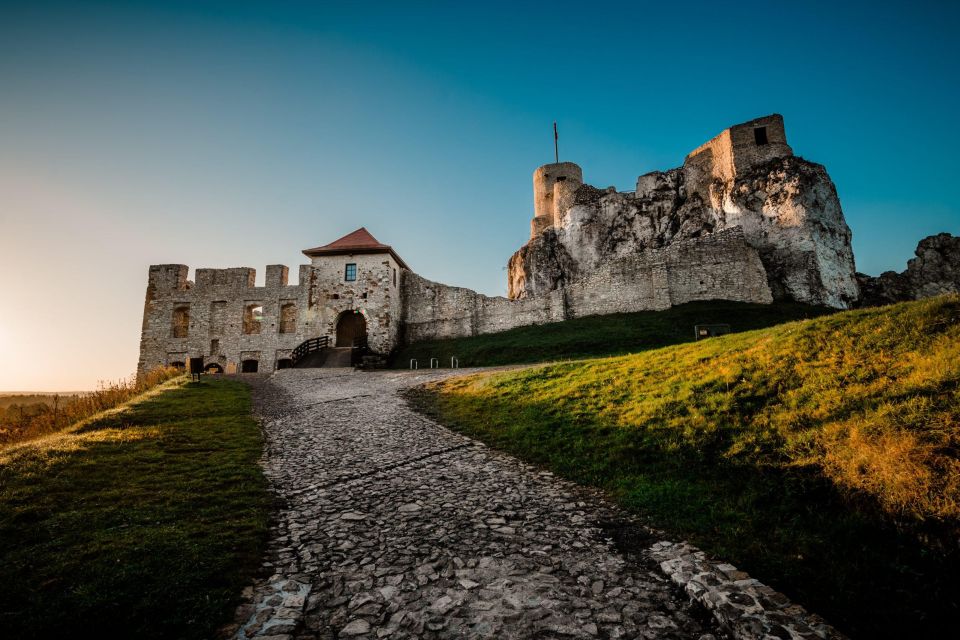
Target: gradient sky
point(221, 134)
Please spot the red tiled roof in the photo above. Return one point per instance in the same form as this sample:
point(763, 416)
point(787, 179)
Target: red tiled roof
point(360, 241)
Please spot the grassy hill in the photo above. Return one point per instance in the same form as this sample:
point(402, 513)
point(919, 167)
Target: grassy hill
point(823, 456)
point(607, 335)
point(143, 522)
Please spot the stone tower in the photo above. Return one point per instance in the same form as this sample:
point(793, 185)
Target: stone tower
point(554, 186)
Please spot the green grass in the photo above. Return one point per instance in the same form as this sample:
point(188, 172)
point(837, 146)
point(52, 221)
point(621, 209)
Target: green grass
point(146, 522)
point(594, 336)
point(821, 456)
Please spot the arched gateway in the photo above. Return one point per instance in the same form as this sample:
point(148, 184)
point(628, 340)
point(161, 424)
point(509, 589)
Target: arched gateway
point(350, 326)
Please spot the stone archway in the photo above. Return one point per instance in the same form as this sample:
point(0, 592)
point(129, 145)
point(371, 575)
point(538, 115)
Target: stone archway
point(350, 326)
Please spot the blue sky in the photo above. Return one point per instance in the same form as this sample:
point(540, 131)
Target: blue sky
point(238, 133)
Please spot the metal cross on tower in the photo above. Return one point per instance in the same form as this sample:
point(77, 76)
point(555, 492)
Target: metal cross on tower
point(556, 143)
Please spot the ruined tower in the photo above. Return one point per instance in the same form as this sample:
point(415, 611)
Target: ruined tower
point(554, 186)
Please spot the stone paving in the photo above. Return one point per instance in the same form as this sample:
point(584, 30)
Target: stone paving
point(392, 526)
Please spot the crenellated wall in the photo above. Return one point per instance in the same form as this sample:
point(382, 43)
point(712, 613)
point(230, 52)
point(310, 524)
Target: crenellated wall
point(220, 329)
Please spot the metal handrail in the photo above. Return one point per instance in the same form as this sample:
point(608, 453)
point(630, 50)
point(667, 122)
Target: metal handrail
point(307, 347)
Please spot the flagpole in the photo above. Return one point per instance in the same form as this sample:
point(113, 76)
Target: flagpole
point(556, 144)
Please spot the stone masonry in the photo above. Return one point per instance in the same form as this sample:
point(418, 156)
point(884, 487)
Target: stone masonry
point(743, 219)
point(747, 178)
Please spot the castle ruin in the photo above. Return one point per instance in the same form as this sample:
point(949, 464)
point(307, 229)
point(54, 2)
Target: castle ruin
point(743, 219)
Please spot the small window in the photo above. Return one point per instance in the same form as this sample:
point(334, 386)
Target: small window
point(394, 277)
point(249, 366)
point(214, 347)
point(760, 135)
point(561, 178)
point(350, 273)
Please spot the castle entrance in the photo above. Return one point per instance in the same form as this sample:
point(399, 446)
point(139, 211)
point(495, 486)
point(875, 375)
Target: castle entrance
point(350, 326)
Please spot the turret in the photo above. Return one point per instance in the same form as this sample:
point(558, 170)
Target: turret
point(553, 189)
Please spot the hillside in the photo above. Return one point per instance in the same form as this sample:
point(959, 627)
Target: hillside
point(145, 521)
point(821, 455)
point(605, 335)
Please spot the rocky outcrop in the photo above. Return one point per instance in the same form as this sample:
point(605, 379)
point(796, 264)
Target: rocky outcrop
point(787, 208)
point(935, 271)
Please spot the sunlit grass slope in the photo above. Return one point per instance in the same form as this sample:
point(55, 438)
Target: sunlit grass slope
point(823, 455)
point(607, 335)
point(146, 522)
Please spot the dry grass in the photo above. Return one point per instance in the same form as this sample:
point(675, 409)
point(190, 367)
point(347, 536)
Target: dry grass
point(60, 413)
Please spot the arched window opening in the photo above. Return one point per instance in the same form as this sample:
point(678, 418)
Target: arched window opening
point(252, 318)
point(181, 321)
point(213, 367)
point(288, 318)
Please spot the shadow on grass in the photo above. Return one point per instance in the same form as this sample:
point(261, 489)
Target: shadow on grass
point(148, 532)
point(608, 335)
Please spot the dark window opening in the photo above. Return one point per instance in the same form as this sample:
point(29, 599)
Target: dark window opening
point(249, 366)
point(364, 295)
point(284, 363)
point(350, 273)
point(561, 178)
point(178, 365)
point(760, 135)
point(394, 277)
point(214, 347)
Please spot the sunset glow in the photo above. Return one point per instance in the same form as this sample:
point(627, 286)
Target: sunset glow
point(288, 125)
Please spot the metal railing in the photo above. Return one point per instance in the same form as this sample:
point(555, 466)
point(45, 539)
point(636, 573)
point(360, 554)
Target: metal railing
point(309, 346)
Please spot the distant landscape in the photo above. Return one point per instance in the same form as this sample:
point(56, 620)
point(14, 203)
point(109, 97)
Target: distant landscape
point(24, 416)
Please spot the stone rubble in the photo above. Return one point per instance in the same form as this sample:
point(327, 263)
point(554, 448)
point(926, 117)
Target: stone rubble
point(391, 526)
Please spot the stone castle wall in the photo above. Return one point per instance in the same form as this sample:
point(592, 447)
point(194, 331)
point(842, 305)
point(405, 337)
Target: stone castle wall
point(716, 266)
point(216, 310)
point(218, 326)
point(743, 219)
point(747, 177)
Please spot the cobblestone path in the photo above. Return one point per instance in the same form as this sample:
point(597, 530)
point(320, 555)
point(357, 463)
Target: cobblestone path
point(393, 526)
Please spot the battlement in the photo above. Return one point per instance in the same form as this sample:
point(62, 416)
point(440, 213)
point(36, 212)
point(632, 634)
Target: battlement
point(173, 277)
point(168, 277)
